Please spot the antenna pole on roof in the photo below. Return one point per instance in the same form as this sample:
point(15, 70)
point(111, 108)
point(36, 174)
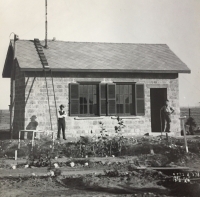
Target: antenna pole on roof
point(46, 24)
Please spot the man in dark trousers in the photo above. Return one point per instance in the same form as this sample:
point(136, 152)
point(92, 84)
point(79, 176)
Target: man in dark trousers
point(166, 112)
point(61, 122)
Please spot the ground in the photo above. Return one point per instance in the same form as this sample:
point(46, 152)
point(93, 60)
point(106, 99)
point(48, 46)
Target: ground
point(146, 166)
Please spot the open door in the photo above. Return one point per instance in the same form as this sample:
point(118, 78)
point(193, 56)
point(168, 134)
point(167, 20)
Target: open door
point(158, 97)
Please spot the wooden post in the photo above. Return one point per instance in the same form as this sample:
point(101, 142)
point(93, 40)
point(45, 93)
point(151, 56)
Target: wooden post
point(32, 141)
point(19, 140)
point(184, 132)
point(15, 154)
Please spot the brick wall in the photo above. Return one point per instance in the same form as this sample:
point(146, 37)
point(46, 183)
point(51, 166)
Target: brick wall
point(37, 103)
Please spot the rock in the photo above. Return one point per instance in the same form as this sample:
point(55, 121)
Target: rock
point(56, 165)
point(13, 167)
point(72, 164)
point(26, 166)
point(52, 173)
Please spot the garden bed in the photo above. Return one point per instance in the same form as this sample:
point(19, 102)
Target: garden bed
point(79, 168)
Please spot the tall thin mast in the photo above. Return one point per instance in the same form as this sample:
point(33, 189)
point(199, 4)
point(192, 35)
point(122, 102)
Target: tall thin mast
point(46, 24)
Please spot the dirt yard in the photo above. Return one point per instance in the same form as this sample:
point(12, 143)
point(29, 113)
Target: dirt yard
point(146, 169)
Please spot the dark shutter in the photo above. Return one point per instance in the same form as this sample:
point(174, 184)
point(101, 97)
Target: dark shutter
point(139, 98)
point(74, 99)
point(102, 99)
point(111, 96)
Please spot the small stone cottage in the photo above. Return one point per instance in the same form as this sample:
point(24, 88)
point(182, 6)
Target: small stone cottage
point(96, 82)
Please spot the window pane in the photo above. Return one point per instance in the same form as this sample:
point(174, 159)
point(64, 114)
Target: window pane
point(130, 99)
point(81, 89)
point(121, 108)
point(85, 89)
point(81, 109)
point(84, 99)
point(85, 109)
point(127, 108)
point(121, 89)
point(94, 89)
point(95, 109)
point(130, 89)
point(90, 98)
point(121, 99)
point(95, 99)
point(117, 106)
point(90, 88)
point(117, 98)
point(125, 89)
point(117, 89)
point(81, 100)
point(91, 109)
point(126, 98)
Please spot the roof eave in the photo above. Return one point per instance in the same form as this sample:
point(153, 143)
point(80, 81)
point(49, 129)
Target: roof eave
point(108, 70)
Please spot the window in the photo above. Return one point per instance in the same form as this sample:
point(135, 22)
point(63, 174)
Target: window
point(106, 99)
point(88, 100)
point(124, 99)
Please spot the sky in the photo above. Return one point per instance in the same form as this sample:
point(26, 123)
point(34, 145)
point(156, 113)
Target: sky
point(172, 22)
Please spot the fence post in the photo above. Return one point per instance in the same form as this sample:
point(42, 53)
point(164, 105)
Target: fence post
point(184, 132)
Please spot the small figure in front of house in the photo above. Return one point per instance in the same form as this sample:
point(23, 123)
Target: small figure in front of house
point(166, 112)
point(32, 126)
point(61, 122)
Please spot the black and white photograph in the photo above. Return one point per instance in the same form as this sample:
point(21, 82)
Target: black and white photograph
point(100, 98)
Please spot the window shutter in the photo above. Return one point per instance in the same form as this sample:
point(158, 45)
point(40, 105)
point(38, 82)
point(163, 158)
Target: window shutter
point(111, 96)
point(74, 99)
point(102, 99)
point(139, 98)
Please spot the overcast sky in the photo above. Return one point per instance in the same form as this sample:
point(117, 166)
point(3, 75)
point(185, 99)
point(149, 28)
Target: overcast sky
point(173, 22)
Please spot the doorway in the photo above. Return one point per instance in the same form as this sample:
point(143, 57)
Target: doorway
point(158, 97)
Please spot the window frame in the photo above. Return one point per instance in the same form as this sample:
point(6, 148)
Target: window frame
point(133, 84)
point(106, 99)
point(88, 105)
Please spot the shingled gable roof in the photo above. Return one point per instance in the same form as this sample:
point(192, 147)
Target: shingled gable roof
point(100, 57)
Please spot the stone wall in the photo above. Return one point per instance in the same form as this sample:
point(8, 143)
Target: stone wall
point(37, 102)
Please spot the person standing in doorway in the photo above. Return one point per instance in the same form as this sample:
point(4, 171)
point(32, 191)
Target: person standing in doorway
point(166, 112)
point(61, 122)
